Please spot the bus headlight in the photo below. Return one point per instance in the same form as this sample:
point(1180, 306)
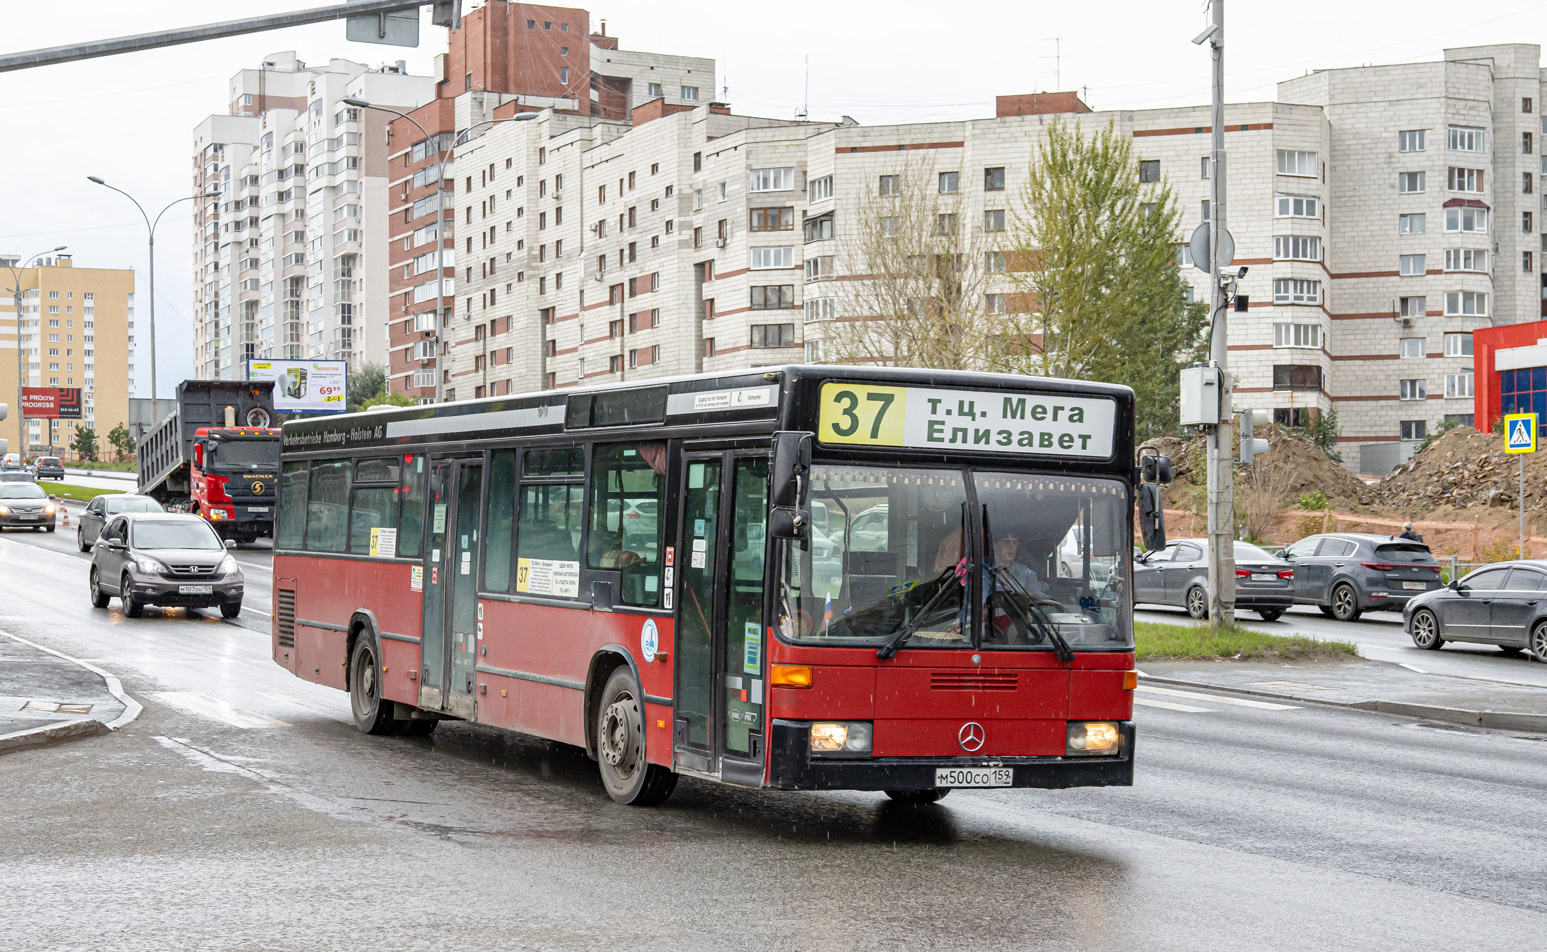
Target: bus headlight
point(840, 738)
point(1092, 739)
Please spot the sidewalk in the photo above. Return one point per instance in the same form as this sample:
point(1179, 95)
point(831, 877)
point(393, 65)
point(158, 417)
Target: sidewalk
point(1370, 686)
point(47, 698)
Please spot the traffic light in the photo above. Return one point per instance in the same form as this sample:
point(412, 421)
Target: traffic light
point(447, 13)
point(1250, 445)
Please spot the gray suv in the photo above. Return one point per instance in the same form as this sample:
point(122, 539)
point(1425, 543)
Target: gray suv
point(1348, 573)
point(164, 558)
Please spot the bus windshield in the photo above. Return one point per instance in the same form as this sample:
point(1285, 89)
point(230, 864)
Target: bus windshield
point(889, 551)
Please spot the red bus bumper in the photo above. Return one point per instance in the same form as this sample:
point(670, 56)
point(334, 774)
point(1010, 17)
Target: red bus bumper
point(791, 766)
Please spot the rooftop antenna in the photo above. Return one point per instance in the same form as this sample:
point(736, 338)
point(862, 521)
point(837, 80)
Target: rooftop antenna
point(805, 101)
point(1058, 61)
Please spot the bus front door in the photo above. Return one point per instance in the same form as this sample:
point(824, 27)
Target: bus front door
point(720, 630)
point(450, 640)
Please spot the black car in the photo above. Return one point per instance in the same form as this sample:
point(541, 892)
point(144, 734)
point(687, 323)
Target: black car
point(1348, 573)
point(25, 505)
point(48, 467)
point(105, 507)
point(1503, 604)
point(164, 558)
point(1179, 575)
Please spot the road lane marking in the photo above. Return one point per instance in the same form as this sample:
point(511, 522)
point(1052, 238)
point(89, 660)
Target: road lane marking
point(1167, 705)
point(1218, 699)
point(217, 709)
point(1411, 668)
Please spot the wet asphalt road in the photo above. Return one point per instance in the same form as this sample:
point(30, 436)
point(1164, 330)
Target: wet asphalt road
point(243, 811)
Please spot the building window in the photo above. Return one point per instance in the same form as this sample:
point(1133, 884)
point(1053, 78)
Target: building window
point(1464, 180)
point(1458, 345)
point(1525, 222)
point(950, 182)
point(1410, 181)
point(772, 296)
point(993, 303)
point(1412, 306)
point(1296, 248)
point(821, 188)
point(1466, 219)
point(1458, 385)
point(993, 220)
point(819, 267)
point(1203, 167)
point(1412, 265)
point(993, 261)
point(1146, 209)
point(564, 75)
point(1525, 104)
point(690, 94)
point(1205, 208)
point(764, 259)
point(888, 186)
point(1413, 388)
point(1466, 139)
point(1149, 170)
point(1296, 291)
point(1414, 429)
point(1525, 261)
point(1466, 259)
point(1415, 224)
point(1410, 140)
point(1297, 206)
point(772, 180)
point(1526, 143)
point(993, 179)
point(819, 228)
point(1466, 303)
point(1292, 416)
point(654, 91)
point(1294, 162)
point(1296, 335)
point(1412, 348)
point(821, 309)
point(773, 335)
point(1301, 377)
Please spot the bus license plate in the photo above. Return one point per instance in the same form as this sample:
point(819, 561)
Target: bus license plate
point(974, 776)
point(1414, 586)
point(195, 590)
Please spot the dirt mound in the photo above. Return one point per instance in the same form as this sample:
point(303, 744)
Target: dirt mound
point(1299, 467)
point(1464, 469)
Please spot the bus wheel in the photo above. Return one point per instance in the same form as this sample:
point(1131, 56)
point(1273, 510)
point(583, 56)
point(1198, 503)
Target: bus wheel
point(620, 746)
point(372, 714)
point(918, 798)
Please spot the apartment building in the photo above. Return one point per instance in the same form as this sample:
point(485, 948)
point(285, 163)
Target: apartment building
point(290, 240)
point(77, 330)
point(506, 59)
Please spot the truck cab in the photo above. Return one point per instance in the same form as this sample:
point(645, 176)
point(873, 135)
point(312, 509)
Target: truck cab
point(234, 478)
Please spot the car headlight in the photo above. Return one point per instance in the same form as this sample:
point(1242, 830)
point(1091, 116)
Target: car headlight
point(228, 566)
point(149, 565)
point(840, 738)
point(5, 510)
point(49, 509)
point(1092, 739)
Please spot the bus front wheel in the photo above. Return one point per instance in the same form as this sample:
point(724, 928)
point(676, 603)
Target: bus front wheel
point(372, 714)
point(620, 746)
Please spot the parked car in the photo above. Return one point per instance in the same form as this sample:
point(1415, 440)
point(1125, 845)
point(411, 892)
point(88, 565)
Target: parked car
point(10, 461)
point(25, 505)
point(104, 507)
point(1348, 573)
point(48, 467)
point(1503, 604)
point(16, 476)
point(1178, 575)
point(164, 558)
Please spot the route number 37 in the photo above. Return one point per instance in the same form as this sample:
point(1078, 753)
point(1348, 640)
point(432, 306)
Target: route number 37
point(855, 414)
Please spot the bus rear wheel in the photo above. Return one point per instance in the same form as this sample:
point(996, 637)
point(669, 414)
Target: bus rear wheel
point(620, 746)
point(372, 714)
point(919, 798)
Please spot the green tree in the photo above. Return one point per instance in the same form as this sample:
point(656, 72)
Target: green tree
point(1094, 254)
point(85, 444)
point(122, 442)
point(368, 382)
point(390, 400)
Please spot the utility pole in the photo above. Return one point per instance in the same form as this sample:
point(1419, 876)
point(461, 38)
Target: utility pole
point(1221, 452)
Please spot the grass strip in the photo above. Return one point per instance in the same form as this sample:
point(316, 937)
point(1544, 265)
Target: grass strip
point(1157, 642)
point(77, 493)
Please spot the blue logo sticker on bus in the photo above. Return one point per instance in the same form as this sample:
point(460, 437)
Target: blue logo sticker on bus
point(752, 653)
point(649, 640)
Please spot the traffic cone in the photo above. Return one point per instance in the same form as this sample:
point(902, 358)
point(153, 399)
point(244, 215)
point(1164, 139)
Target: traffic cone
point(66, 513)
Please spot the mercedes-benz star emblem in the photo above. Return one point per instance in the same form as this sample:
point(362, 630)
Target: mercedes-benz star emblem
point(971, 736)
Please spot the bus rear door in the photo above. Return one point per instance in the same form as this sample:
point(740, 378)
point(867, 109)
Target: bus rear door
point(450, 642)
point(720, 629)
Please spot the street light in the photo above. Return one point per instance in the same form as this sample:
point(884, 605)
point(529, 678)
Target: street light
point(150, 227)
point(440, 228)
point(21, 408)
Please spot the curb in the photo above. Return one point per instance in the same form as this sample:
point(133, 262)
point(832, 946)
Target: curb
point(1495, 720)
point(80, 727)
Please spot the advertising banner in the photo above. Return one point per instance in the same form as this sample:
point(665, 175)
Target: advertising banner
point(51, 403)
point(305, 386)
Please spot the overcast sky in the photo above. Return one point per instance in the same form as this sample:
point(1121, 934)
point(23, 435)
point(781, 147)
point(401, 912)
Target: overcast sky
point(129, 118)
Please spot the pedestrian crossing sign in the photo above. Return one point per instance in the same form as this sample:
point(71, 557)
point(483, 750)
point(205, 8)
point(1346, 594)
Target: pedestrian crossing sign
point(1520, 433)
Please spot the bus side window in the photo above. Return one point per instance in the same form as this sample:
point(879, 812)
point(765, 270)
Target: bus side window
point(549, 523)
point(411, 489)
point(628, 492)
point(500, 523)
point(373, 506)
point(291, 531)
point(327, 506)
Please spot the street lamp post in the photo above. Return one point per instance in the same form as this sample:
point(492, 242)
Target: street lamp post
point(21, 408)
point(150, 227)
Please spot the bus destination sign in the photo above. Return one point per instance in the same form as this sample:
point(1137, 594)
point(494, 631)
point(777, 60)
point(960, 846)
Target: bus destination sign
point(976, 420)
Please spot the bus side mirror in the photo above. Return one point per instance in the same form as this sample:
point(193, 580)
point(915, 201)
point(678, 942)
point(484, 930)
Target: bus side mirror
point(1152, 518)
point(790, 485)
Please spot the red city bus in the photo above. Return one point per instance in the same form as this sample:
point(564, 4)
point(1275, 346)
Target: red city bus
point(806, 578)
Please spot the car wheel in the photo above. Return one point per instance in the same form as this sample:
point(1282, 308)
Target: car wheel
point(620, 746)
point(1345, 603)
point(1325, 610)
point(372, 712)
point(919, 798)
point(99, 598)
point(49, 528)
point(230, 609)
point(1426, 630)
point(80, 541)
point(1271, 614)
point(1198, 602)
point(1539, 642)
point(132, 608)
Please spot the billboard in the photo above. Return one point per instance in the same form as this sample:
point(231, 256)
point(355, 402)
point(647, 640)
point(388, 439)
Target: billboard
point(305, 386)
point(51, 403)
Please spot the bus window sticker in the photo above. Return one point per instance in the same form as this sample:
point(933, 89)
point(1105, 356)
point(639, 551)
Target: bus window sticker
point(752, 658)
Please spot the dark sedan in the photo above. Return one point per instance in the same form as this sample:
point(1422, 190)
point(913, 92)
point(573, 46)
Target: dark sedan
point(1348, 573)
point(165, 558)
point(1503, 604)
point(25, 505)
point(1178, 575)
point(48, 467)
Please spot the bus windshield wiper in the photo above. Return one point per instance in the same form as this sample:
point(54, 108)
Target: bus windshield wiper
point(911, 628)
